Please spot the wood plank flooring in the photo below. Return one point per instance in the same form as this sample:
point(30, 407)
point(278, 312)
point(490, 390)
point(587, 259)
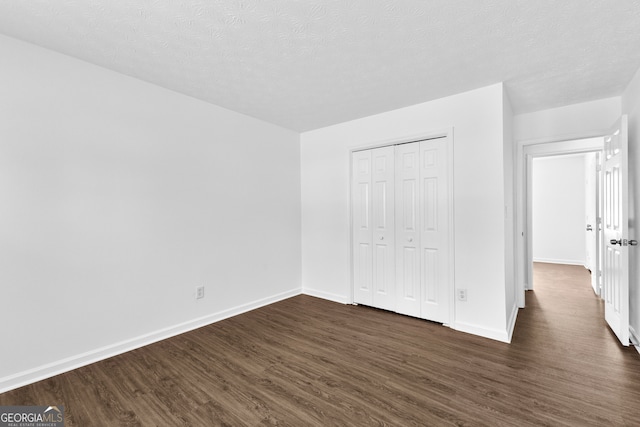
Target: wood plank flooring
point(309, 362)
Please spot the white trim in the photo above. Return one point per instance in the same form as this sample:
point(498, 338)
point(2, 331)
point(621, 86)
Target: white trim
point(635, 338)
point(572, 137)
point(64, 365)
point(511, 322)
point(443, 133)
point(494, 334)
point(452, 230)
point(559, 261)
point(342, 299)
point(351, 292)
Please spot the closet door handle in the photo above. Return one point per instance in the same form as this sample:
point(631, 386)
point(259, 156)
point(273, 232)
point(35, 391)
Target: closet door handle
point(410, 239)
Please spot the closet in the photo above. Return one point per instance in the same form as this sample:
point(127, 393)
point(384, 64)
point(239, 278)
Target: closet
point(400, 209)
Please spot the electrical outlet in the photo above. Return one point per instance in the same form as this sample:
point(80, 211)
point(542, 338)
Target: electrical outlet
point(462, 294)
point(199, 292)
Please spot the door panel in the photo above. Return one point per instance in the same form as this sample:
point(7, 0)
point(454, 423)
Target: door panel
point(434, 232)
point(407, 236)
point(383, 228)
point(616, 220)
point(430, 274)
point(430, 191)
point(361, 228)
point(409, 207)
point(411, 281)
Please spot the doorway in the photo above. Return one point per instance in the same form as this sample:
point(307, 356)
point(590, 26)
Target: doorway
point(527, 154)
point(566, 226)
point(615, 241)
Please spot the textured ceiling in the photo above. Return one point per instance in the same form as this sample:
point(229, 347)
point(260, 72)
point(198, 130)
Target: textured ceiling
point(311, 63)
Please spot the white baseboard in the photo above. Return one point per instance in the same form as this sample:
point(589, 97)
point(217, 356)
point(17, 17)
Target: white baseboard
point(326, 295)
point(559, 261)
point(494, 334)
point(58, 367)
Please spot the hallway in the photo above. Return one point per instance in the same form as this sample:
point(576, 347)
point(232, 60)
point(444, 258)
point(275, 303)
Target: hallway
point(563, 330)
point(567, 308)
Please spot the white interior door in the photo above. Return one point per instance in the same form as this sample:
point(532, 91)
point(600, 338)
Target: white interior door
point(362, 227)
point(407, 157)
point(434, 226)
point(600, 215)
point(383, 202)
point(616, 220)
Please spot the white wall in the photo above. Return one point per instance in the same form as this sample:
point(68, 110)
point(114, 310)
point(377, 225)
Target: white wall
point(479, 201)
point(631, 106)
point(570, 122)
point(117, 198)
point(559, 209)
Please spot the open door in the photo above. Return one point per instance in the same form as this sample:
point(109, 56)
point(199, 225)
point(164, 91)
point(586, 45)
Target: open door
point(616, 225)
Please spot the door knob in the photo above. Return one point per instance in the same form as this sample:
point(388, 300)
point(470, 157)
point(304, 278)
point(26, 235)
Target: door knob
point(633, 242)
point(410, 239)
point(381, 237)
point(616, 242)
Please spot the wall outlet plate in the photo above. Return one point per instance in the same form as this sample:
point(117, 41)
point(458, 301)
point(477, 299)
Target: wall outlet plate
point(199, 292)
point(462, 294)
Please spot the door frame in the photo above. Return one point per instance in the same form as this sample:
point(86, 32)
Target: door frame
point(594, 238)
point(441, 133)
point(526, 152)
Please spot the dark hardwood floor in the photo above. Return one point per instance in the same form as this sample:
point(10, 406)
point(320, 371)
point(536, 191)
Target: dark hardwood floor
point(305, 361)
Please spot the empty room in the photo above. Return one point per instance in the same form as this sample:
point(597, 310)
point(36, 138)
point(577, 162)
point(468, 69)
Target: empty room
point(313, 213)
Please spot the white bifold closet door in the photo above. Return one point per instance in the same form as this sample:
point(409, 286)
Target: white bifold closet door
point(373, 201)
point(401, 229)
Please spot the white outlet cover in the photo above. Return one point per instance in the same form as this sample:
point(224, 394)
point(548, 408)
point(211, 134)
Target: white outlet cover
point(200, 292)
